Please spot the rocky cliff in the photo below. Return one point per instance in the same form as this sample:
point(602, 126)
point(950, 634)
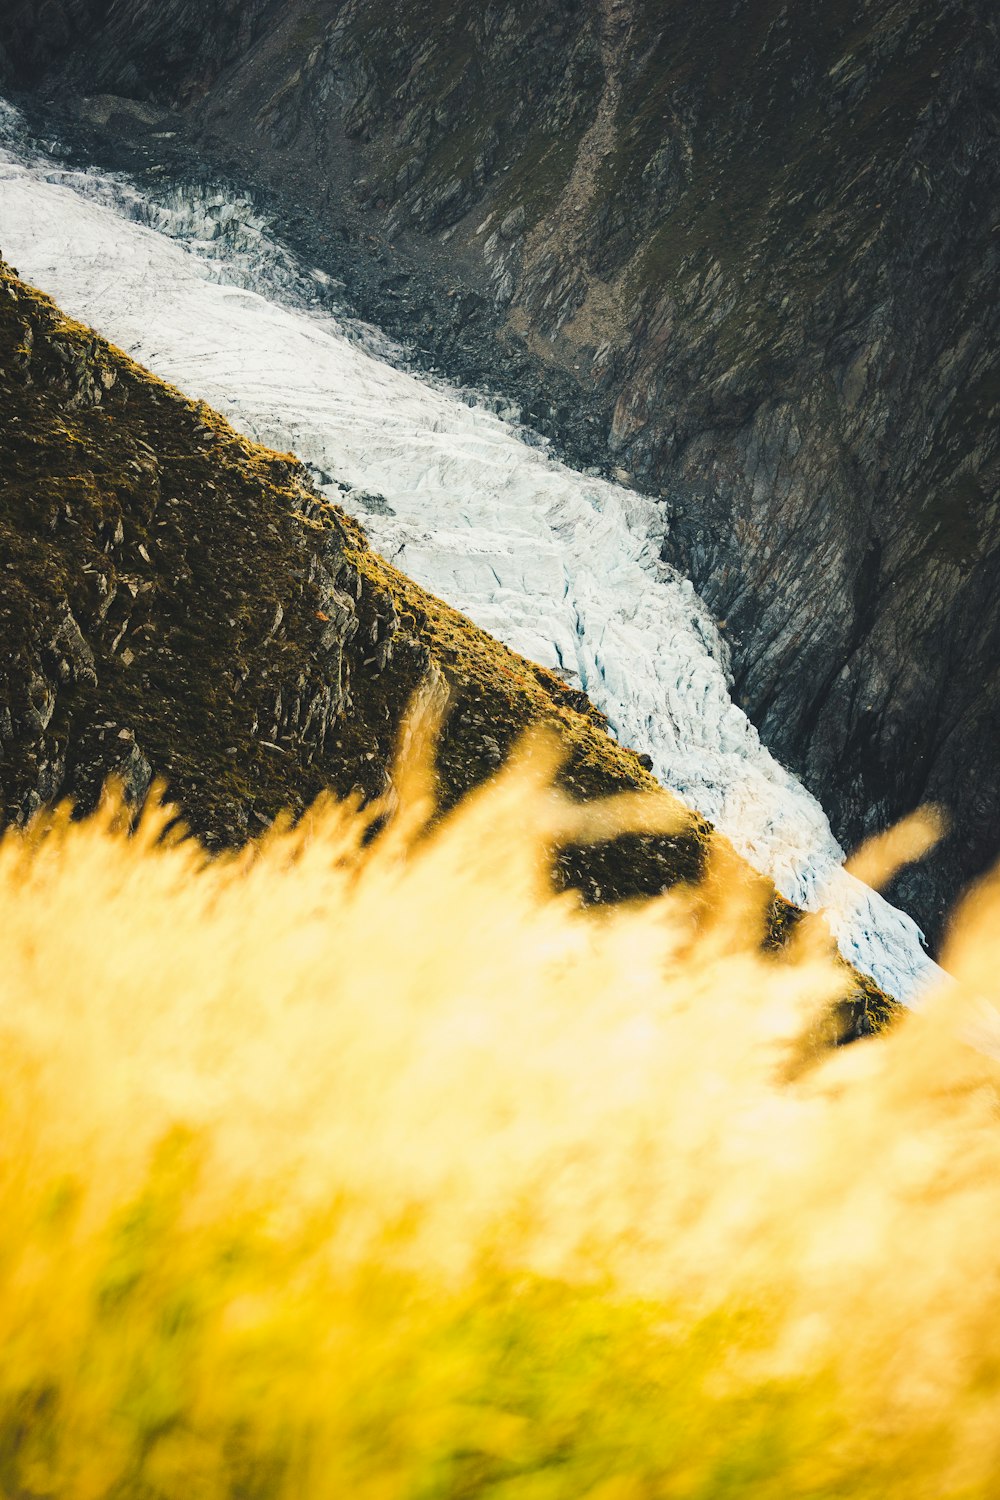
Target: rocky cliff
point(743, 251)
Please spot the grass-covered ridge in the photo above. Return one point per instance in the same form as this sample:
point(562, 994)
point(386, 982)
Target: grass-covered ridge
point(179, 603)
point(172, 581)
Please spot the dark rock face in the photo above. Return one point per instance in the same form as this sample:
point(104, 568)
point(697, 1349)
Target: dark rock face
point(754, 243)
point(132, 48)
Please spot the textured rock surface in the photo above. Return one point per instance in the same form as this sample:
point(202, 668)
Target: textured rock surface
point(754, 244)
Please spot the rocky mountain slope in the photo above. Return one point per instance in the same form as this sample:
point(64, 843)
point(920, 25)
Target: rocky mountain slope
point(178, 602)
point(744, 249)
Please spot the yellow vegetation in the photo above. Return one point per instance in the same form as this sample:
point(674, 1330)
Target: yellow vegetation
point(367, 1167)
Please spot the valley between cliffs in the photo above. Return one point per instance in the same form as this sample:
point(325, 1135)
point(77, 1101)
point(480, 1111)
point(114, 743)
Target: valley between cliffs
point(742, 252)
point(180, 603)
point(182, 607)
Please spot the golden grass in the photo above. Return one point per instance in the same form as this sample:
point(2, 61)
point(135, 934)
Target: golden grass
point(368, 1167)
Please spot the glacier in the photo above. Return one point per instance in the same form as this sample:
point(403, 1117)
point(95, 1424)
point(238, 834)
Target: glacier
point(563, 567)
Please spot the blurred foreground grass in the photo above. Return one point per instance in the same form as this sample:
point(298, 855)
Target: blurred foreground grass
point(368, 1167)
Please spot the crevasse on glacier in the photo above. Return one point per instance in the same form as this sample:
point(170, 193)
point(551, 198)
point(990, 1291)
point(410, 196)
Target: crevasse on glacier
point(562, 567)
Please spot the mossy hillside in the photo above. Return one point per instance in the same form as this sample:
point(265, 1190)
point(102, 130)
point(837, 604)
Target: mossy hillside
point(172, 543)
point(179, 603)
point(215, 603)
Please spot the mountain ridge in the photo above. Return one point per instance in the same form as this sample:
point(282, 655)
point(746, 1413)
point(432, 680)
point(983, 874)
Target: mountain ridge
point(155, 552)
point(752, 249)
point(182, 608)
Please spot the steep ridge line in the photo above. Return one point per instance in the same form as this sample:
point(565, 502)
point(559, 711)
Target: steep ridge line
point(182, 603)
point(799, 213)
point(302, 382)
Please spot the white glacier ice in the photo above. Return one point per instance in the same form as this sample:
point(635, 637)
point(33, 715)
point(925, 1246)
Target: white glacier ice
point(562, 567)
